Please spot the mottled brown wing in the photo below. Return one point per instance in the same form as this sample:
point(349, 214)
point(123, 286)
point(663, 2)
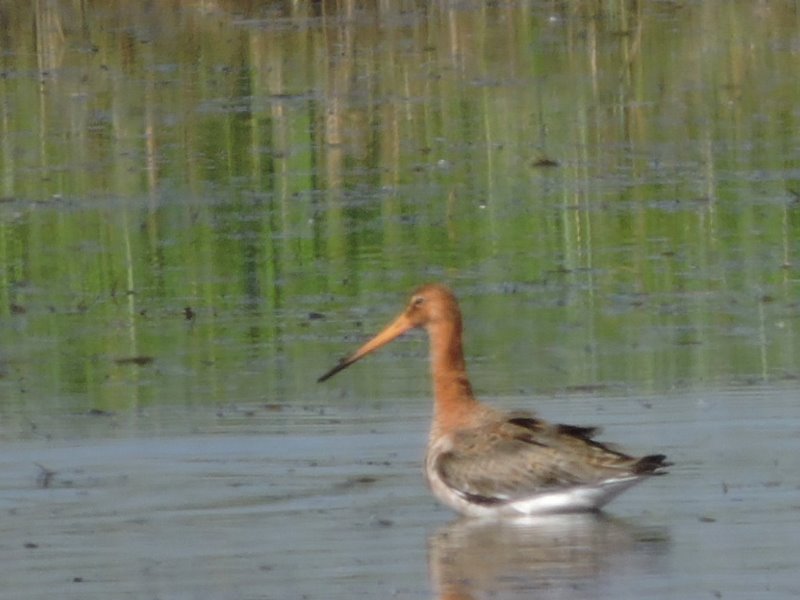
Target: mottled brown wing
point(521, 456)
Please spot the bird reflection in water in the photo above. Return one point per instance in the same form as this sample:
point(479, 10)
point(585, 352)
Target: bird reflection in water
point(554, 556)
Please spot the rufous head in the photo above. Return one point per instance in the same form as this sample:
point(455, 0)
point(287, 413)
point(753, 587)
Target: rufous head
point(429, 305)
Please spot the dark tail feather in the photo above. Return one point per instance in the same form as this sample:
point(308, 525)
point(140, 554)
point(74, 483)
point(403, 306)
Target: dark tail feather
point(651, 464)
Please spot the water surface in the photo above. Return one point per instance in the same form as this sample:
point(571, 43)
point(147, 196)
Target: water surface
point(330, 502)
point(204, 205)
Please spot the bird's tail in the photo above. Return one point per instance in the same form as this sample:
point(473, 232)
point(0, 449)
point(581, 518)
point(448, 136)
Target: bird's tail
point(651, 465)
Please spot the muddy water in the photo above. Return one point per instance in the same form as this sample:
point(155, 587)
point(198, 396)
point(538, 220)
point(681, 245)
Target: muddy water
point(203, 205)
point(331, 503)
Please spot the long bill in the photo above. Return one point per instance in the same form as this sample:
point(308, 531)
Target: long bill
point(395, 329)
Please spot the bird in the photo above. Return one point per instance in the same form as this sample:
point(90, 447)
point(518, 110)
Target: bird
point(483, 462)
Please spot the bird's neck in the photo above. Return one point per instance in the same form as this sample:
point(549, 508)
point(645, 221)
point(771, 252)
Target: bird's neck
point(454, 400)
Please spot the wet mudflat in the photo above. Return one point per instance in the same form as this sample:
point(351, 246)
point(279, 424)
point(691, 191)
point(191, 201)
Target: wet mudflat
point(330, 503)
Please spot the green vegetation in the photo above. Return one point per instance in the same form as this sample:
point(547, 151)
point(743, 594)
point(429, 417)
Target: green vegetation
point(258, 164)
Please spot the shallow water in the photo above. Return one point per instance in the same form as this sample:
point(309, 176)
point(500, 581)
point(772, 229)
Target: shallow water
point(333, 505)
point(203, 205)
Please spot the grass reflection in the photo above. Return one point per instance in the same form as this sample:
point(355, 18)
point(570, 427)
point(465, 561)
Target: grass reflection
point(255, 163)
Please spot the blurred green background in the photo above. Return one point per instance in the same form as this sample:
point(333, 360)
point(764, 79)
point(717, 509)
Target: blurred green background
point(210, 202)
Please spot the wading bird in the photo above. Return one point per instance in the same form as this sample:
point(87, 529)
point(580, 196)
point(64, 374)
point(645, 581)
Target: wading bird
point(483, 462)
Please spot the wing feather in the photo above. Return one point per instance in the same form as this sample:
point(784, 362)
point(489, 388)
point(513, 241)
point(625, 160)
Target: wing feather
point(521, 456)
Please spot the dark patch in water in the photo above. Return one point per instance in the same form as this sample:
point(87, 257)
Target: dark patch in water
point(135, 360)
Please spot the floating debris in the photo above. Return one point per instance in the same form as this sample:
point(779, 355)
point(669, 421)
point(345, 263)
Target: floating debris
point(135, 360)
point(45, 476)
point(99, 412)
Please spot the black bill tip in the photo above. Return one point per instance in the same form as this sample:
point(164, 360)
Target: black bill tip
point(343, 364)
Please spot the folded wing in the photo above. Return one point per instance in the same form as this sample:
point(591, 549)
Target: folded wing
point(521, 456)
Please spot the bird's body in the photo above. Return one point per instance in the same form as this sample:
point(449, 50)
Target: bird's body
point(483, 462)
